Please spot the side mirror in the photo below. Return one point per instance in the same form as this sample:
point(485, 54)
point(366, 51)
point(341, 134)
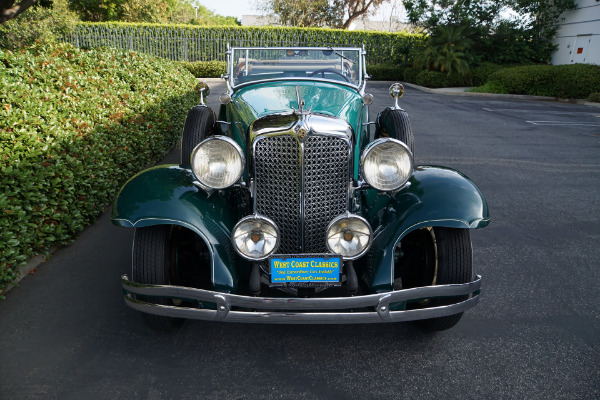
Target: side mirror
point(203, 90)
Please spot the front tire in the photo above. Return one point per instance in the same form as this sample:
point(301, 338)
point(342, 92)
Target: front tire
point(153, 263)
point(454, 265)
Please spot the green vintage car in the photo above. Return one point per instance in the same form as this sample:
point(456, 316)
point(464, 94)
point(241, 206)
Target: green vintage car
point(292, 206)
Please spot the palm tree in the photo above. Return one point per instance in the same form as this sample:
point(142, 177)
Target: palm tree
point(448, 51)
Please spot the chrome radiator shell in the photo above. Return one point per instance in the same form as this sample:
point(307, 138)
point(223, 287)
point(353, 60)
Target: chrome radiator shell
point(302, 169)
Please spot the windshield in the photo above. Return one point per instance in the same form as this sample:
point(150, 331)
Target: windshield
point(342, 65)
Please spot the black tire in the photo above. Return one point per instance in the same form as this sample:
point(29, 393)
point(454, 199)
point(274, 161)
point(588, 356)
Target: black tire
point(152, 262)
point(454, 265)
point(199, 124)
point(394, 123)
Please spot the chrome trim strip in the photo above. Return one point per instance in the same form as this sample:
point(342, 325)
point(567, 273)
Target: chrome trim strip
point(225, 301)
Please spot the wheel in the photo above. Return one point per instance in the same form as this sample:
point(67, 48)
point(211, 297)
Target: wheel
point(329, 71)
point(435, 256)
point(154, 262)
point(199, 124)
point(394, 123)
point(454, 265)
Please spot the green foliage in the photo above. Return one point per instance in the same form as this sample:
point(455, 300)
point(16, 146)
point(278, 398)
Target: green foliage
point(74, 126)
point(594, 97)
point(437, 79)
point(576, 81)
point(496, 38)
point(447, 51)
point(480, 73)
point(37, 24)
point(385, 72)
point(194, 43)
point(153, 11)
point(410, 74)
point(205, 69)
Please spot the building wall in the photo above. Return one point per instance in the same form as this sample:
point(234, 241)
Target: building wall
point(578, 35)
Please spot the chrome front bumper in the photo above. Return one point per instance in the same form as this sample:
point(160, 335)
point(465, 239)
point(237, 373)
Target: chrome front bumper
point(275, 310)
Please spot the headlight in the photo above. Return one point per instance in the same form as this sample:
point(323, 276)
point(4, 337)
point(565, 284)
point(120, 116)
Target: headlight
point(386, 164)
point(217, 162)
point(255, 237)
point(349, 236)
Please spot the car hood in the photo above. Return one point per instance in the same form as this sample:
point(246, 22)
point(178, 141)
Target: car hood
point(256, 101)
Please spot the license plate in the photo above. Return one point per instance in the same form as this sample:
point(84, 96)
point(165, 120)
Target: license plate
point(291, 270)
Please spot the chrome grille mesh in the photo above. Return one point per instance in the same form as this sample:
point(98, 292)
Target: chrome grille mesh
point(326, 189)
point(278, 179)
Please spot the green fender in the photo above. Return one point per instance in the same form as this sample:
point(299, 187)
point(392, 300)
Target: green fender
point(167, 195)
point(437, 196)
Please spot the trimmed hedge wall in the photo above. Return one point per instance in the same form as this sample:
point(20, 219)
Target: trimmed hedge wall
point(201, 43)
point(74, 126)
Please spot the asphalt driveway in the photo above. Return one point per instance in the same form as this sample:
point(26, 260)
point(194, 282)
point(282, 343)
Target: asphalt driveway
point(67, 334)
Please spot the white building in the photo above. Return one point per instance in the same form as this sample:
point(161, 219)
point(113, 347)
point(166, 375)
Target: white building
point(578, 35)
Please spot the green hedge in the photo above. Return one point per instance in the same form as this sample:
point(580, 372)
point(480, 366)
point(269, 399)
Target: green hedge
point(594, 97)
point(74, 126)
point(385, 72)
point(201, 43)
point(575, 81)
point(205, 69)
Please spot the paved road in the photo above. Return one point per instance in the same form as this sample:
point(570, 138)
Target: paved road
point(66, 333)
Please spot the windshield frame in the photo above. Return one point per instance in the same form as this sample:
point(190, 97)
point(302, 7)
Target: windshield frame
point(362, 74)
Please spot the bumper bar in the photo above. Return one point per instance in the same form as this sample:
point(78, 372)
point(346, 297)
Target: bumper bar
point(275, 310)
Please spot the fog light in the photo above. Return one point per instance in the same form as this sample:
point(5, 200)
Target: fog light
point(349, 236)
point(255, 237)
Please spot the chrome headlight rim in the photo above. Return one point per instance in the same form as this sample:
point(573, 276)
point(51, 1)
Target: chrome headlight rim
point(350, 216)
point(232, 143)
point(256, 218)
point(373, 145)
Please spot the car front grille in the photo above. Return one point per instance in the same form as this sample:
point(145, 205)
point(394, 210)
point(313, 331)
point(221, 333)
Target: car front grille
point(301, 211)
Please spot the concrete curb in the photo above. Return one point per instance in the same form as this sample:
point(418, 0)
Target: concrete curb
point(28, 269)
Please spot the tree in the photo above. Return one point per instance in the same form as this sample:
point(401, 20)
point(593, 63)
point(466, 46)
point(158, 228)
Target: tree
point(484, 23)
point(10, 10)
point(447, 51)
point(38, 24)
point(318, 13)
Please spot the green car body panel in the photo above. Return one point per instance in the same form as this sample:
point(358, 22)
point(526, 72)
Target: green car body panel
point(167, 195)
point(437, 196)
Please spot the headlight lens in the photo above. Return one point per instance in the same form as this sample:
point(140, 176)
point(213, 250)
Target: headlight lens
point(217, 162)
point(349, 236)
point(255, 237)
point(386, 164)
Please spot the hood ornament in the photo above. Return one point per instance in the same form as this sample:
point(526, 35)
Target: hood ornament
point(300, 100)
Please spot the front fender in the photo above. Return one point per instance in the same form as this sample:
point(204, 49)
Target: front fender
point(167, 195)
point(437, 196)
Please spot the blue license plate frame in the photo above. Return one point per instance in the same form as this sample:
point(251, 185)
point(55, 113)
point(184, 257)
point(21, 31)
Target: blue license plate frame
point(306, 270)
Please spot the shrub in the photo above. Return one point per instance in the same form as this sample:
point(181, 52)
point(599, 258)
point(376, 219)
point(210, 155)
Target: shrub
point(576, 81)
point(431, 79)
point(410, 74)
point(205, 69)
point(564, 81)
point(480, 73)
point(74, 126)
point(594, 97)
point(385, 72)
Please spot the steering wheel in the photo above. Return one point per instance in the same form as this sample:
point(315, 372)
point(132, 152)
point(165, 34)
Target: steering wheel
point(329, 70)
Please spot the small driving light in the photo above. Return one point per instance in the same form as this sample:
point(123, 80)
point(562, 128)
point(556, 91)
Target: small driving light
point(368, 99)
point(225, 98)
point(386, 164)
point(349, 236)
point(255, 237)
point(217, 162)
